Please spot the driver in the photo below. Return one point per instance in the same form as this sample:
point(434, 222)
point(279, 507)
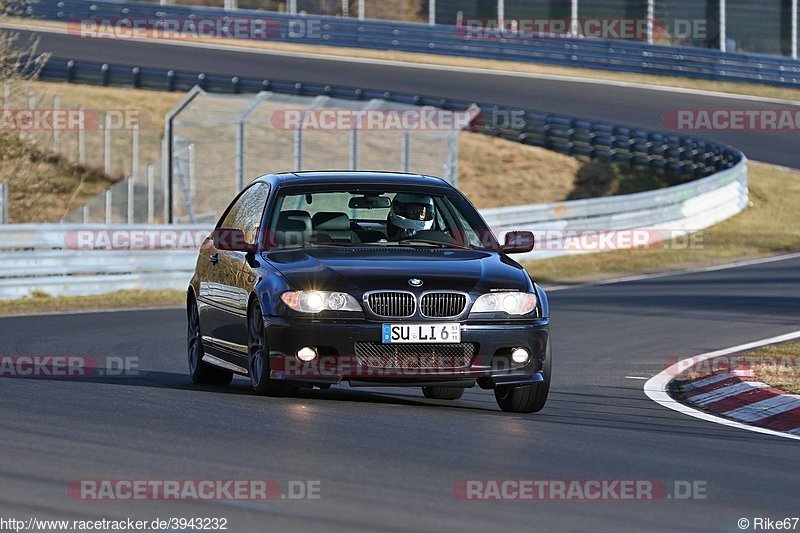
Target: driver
point(410, 213)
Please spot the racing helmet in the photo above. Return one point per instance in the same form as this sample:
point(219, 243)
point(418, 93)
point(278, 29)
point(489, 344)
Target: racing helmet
point(412, 212)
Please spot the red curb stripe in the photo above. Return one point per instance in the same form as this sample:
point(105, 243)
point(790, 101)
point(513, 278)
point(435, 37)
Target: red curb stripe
point(785, 421)
point(740, 400)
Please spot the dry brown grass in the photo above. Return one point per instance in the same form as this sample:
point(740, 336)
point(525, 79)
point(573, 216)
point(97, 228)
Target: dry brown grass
point(777, 365)
point(43, 303)
point(768, 227)
point(44, 187)
point(495, 172)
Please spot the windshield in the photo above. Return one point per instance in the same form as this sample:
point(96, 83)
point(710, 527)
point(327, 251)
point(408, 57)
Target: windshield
point(387, 218)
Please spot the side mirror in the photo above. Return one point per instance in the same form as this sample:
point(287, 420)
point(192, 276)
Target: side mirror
point(518, 242)
point(232, 240)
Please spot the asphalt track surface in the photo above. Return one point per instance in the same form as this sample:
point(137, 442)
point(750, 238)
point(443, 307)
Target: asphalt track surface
point(635, 106)
point(388, 458)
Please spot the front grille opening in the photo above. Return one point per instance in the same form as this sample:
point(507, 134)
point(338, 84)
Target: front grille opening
point(414, 356)
point(442, 304)
point(391, 304)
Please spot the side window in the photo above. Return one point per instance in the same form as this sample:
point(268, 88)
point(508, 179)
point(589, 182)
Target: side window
point(245, 213)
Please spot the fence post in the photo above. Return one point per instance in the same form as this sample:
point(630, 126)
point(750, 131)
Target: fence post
point(574, 23)
point(794, 29)
point(85, 213)
point(108, 206)
point(107, 144)
point(651, 15)
point(81, 138)
point(151, 195)
point(353, 149)
point(240, 155)
point(4, 202)
point(192, 169)
point(361, 8)
point(345, 8)
point(723, 27)
point(55, 129)
point(432, 12)
point(298, 149)
point(135, 150)
point(501, 11)
point(131, 193)
point(291, 7)
point(405, 151)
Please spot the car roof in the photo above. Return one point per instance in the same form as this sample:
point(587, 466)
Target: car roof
point(348, 177)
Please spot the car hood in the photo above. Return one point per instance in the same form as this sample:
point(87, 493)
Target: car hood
point(357, 270)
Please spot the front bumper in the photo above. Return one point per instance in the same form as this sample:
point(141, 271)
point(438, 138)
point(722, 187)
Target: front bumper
point(486, 361)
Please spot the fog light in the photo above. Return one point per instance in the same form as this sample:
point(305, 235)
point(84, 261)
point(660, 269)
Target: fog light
point(520, 355)
point(307, 354)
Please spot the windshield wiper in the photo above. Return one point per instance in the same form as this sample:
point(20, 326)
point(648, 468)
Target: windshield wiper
point(412, 240)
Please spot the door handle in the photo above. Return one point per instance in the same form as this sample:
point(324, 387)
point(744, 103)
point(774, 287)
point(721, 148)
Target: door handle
point(214, 258)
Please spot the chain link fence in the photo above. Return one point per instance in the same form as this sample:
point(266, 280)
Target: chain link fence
point(219, 143)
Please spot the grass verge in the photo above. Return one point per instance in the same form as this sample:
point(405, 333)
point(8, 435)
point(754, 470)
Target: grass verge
point(767, 227)
point(40, 302)
point(777, 365)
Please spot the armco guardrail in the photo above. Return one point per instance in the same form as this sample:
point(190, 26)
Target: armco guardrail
point(562, 228)
point(66, 259)
point(624, 56)
point(79, 259)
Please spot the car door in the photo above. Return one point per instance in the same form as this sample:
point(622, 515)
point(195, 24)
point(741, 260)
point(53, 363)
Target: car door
point(225, 289)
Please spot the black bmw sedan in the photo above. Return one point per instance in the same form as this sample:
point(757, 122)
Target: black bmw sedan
point(312, 279)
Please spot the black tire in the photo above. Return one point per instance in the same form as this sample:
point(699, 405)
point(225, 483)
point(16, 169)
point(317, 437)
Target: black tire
point(201, 371)
point(258, 357)
point(443, 393)
point(526, 398)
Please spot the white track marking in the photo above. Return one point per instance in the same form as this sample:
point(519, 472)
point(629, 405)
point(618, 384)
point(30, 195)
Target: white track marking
point(765, 408)
point(726, 392)
point(656, 387)
point(636, 377)
point(700, 383)
point(428, 66)
point(641, 277)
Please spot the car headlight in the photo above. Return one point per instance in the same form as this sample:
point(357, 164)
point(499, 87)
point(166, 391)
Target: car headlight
point(513, 303)
point(316, 301)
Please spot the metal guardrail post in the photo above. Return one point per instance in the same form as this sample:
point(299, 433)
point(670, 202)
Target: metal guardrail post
point(432, 12)
point(361, 9)
point(501, 11)
point(651, 15)
point(723, 26)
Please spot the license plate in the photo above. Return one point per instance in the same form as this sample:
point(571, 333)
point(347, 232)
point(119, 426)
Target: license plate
point(421, 333)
